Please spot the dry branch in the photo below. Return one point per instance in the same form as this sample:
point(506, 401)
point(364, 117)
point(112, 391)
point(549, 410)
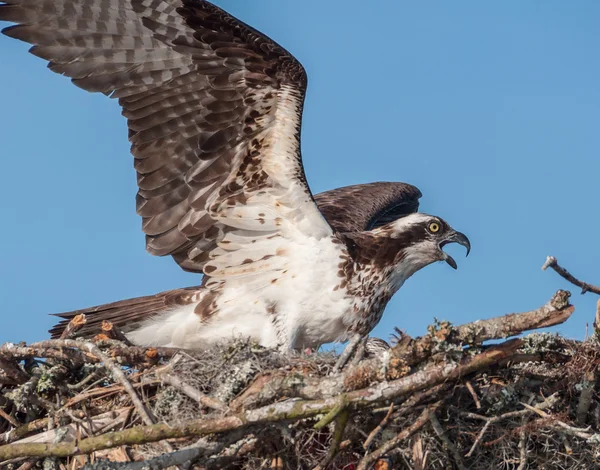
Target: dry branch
point(585, 287)
point(412, 351)
point(76, 324)
point(165, 376)
point(110, 330)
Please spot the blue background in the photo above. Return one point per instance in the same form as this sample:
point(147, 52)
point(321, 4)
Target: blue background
point(490, 108)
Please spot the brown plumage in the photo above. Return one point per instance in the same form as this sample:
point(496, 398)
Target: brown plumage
point(367, 206)
point(350, 209)
point(214, 110)
point(198, 87)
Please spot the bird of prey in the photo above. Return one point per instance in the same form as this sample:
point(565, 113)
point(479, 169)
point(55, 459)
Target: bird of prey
point(214, 111)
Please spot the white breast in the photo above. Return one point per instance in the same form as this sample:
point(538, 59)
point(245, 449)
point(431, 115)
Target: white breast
point(301, 308)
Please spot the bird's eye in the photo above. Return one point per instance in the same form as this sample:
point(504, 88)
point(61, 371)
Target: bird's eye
point(434, 227)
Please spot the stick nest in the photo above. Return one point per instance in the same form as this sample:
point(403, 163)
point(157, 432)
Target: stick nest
point(446, 400)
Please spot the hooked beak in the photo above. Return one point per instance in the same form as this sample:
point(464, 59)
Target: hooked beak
point(454, 237)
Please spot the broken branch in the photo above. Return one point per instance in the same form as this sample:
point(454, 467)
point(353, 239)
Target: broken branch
point(585, 287)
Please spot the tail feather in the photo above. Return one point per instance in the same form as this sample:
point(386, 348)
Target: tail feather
point(128, 314)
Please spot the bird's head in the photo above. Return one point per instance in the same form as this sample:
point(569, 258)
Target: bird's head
point(419, 240)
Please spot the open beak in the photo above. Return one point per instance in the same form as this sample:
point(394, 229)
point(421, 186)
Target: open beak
point(454, 237)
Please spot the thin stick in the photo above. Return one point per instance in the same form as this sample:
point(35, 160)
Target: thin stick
point(585, 287)
point(338, 435)
point(439, 430)
point(28, 465)
point(522, 451)
point(585, 398)
point(379, 427)
point(9, 418)
point(76, 324)
point(176, 458)
point(473, 394)
point(190, 391)
point(110, 330)
point(54, 348)
point(421, 421)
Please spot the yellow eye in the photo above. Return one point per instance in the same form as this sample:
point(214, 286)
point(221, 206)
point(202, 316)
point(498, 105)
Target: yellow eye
point(434, 227)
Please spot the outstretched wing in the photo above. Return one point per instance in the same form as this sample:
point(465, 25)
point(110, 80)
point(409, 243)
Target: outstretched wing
point(214, 112)
point(367, 206)
point(348, 209)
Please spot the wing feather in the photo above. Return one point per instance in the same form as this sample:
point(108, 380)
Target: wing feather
point(367, 206)
point(214, 112)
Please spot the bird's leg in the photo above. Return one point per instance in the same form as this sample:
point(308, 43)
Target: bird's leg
point(361, 351)
point(352, 345)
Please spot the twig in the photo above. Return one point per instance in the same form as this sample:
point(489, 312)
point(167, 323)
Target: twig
point(28, 465)
point(8, 418)
point(389, 445)
point(522, 451)
point(105, 391)
point(379, 427)
point(86, 380)
point(481, 434)
point(579, 432)
point(179, 457)
point(76, 324)
point(417, 398)
point(567, 444)
point(338, 435)
point(11, 373)
point(55, 349)
point(439, 430)
point(555, 312)
point(585, 398)
point(419, 455)
point(110, 330)
point(473, 394)
point(119, 376)
point(24, 430)
point(585, 287)
point(44, 350)
point(190, 391)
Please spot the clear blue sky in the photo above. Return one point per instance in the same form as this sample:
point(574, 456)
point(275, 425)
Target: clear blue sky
point(490, 108)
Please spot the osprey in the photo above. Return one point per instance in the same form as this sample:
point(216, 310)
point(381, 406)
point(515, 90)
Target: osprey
point(214, 112)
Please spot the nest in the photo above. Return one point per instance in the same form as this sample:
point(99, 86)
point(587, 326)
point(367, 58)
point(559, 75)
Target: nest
point(445, 400)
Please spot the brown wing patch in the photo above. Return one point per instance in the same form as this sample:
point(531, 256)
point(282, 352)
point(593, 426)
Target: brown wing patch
point(367, 206)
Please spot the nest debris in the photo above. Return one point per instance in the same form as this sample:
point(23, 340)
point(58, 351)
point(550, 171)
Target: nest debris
point(445, 400)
